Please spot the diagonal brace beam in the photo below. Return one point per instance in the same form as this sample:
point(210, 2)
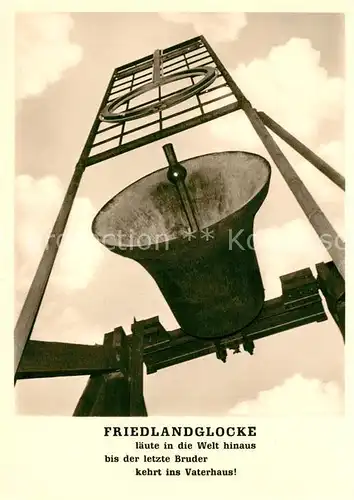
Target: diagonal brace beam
point(303, 150)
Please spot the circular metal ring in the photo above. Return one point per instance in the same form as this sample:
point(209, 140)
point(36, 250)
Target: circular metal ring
point(108, 115)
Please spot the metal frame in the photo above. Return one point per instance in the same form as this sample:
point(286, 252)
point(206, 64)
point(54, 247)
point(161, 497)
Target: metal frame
point(114, 139)
point(125, 355)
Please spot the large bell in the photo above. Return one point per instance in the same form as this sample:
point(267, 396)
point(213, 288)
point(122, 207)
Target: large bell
point(206, 268)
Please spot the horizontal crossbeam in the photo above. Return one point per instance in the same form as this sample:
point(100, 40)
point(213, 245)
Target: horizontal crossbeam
point(161, 134)
point(61, 359)
point(299, 304)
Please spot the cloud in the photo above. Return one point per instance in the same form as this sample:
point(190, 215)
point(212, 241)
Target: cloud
point(216, 27)
point(286, 248)
point(324, 191)
point(43, 51)
point(292, 87)
point(296, 397)
point(37, 202)
point(333, 153)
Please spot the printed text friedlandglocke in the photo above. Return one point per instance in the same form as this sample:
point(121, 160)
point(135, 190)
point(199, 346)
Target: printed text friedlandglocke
point(182, 431)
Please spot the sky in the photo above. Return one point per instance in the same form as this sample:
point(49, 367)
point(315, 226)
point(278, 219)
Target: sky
point(289, 65)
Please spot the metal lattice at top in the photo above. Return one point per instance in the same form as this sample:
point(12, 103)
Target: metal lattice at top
point(157, 96)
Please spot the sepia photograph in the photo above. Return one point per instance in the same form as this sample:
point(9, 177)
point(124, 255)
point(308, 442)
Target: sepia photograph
point(179, 214)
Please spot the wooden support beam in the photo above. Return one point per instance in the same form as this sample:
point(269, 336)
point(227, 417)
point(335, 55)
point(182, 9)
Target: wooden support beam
point(137, 403)
point(108, 395)
point(332, 285)
point(89, 396)
point(60, 359)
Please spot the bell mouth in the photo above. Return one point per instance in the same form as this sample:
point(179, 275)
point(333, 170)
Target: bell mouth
point(149, 212)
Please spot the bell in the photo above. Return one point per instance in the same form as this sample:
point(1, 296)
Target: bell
point(194, 235)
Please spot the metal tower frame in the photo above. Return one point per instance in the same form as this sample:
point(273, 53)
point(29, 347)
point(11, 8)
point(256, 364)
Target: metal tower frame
point(115, 385)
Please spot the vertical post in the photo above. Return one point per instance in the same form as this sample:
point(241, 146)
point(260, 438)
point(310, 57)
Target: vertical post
point(137, 403)
point(303, 150)
point(316, 217)
point(156, 68)
point(108, 395)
